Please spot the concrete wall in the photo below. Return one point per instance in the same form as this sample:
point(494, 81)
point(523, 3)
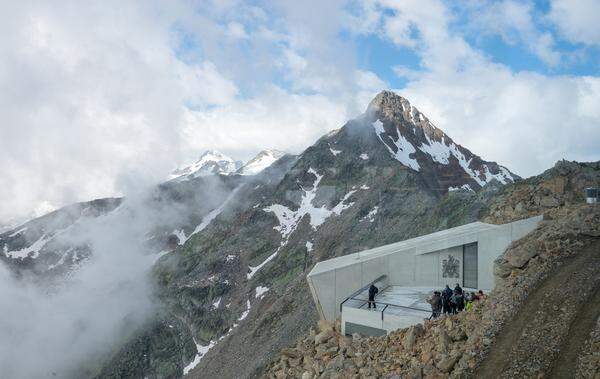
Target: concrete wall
point(360, 316)
point(420, 265)
point(373, 319)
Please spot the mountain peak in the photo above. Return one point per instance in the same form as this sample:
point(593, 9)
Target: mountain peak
point(388, 101)
point(210, 162)
point(388, 104)
point(410, 138)
point(214, 155)
point(262, 160)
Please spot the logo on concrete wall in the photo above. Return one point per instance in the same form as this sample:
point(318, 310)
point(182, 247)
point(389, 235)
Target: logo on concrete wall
point(450, 267)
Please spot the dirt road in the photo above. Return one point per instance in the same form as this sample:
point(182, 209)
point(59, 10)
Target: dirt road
point(547, 332)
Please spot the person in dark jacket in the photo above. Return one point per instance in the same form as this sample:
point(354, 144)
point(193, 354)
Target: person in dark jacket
point(436, 304)
point(446, 295)
point(458, 288)
point(458, 302)
point(372, 292)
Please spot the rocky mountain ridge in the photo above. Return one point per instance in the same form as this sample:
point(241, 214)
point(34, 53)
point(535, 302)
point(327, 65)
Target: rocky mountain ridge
point(212, 162)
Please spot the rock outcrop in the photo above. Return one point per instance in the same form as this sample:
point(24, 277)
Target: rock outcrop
point(562, 185)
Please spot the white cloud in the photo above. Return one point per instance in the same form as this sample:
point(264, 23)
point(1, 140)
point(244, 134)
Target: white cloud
point(90, 94)
point(577, 20)
point(204, 85)
point(514, 22)
point(242, 127)
point(236, 30)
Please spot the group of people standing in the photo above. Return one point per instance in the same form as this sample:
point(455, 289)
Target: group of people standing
point(452, 301)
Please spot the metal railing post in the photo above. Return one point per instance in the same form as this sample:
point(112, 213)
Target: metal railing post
point(383, 310)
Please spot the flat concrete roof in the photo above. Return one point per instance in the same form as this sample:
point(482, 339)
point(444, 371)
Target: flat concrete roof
point(437, 237)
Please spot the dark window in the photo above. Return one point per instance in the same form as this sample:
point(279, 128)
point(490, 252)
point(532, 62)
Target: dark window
point(470, 265)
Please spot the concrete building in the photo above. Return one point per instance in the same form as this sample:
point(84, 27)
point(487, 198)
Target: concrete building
point(411, 268)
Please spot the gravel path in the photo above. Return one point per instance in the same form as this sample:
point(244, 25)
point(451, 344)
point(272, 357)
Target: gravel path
point(547, 332)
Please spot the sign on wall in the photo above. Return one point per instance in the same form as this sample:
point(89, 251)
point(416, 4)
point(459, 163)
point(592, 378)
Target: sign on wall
point(451, 267)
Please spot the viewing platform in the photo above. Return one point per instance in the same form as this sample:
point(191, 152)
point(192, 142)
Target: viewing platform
point(407, 272)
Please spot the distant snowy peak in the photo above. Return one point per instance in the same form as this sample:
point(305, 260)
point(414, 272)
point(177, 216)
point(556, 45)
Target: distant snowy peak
point(263, 160)
point(211, 162)
point(416, 143)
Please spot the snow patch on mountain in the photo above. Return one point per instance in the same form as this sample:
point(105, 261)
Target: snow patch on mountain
point(180, 236)
point(333, 151)
point(200, 353)
point(255, 269)
point(33, 249)
point(403, 147)
point(202, 350)
point(263, 160)
point(503, 176)
point(246, 312)
point(289, 219)
point(437, 150)
point(333, 132)
point(441, 152)
point(464, 187)
point(62, 259)
point(260, 292)
point(17, 232)
point(309, 246)
point(371, 215)
point(206, 220)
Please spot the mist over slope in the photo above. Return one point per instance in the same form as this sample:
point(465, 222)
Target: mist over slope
point(51, 331)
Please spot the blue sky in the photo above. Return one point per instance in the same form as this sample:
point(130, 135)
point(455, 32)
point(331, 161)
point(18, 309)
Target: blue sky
point(107, 97)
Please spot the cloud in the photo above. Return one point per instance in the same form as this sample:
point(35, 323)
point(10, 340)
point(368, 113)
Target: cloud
point(268, 121)
point(90, 93)
point(236, 30)
point(514, 22)
point(577, 20)
point(59, 331)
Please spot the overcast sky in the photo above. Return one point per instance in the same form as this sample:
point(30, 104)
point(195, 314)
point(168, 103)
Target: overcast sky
point(100, 97)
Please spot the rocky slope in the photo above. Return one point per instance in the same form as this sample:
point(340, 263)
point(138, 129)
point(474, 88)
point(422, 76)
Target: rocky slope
point(541, 310)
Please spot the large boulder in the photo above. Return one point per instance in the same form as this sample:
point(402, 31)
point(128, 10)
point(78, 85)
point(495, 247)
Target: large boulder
point(447, 363)
point(518, 257)
point(411, 336)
